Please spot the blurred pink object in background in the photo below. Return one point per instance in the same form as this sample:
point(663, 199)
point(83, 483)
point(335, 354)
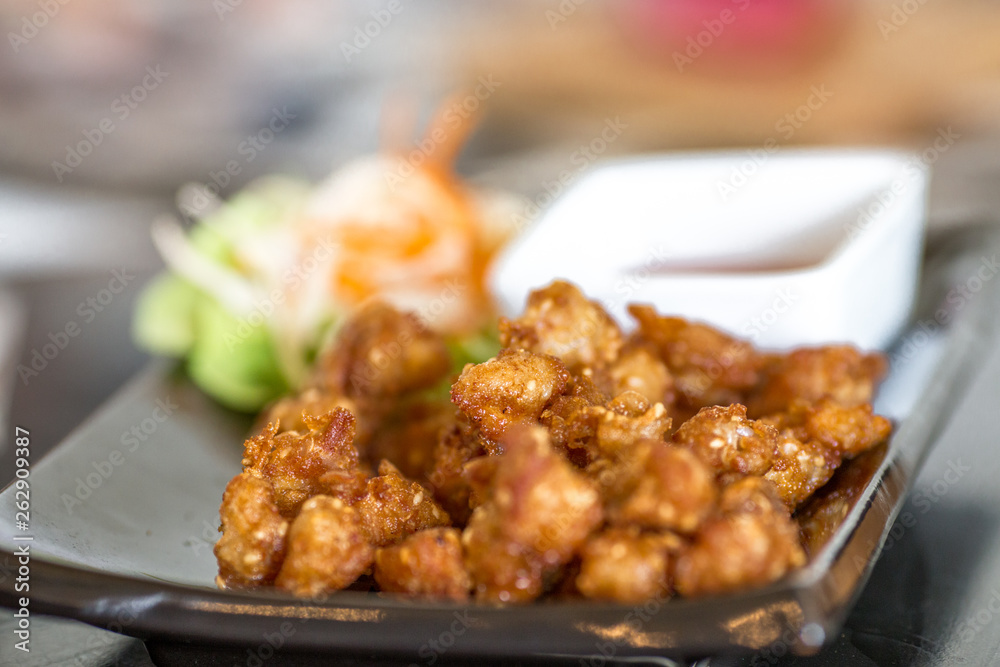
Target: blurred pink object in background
point(735, 35)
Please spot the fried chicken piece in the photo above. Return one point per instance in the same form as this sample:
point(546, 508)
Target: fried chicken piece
point(624, 565)
point(456, 447)
point(394, 507)
point(289, 412)
point(480, 473)
point(823, 514)
point(409, 436)
point(728, 442)
point(327, 549)
point(839, 372)
point(815, 438)
point(381, 352)
point(299, 466)
point(427, 564)
point(541, 512)
point(572, 427)
point(588, 432)
point(252, 546)
point(800, 468)
point(379, 355)
point(628, 418)
point(560, 321)
point(542, 500)
point(501, 570)
point(572, 424)
point(708, 366)
point(849, 430)
point(512, 388)
point(638, 369)
point(671, 489)
point(751, 542)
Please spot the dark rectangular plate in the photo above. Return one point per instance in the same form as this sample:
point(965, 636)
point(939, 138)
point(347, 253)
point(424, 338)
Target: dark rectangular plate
point(124, 540)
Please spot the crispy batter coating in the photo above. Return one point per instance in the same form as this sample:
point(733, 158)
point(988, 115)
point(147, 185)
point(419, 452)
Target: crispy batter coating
point(502, 570)
point(299, 466)
point(541, 512)
point(708, 366)
point(800, 468)
point(290, 412)
point(624, 565)
point(587, 432)
point(638, 369)
point(380, 355)
point(427, 564)
point(560, 321)
point(327, 549)
point(409, 435)
point(629, 418)
point(673, 490)
point(542, 499)
point(456, 447)
point(252, 546)
point(849, 430)
point(728, 442)
point(820, 517)
point(839, 372)
point(480, 473)
point(572, 424)
point(751, 542)
point(394, 507)
point(555, 469)
point(381, 352)
point(512, 388)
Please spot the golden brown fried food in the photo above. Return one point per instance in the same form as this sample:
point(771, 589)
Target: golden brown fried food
point(541, 512)
point(586, 432)
point(512, 388)
point(839, 372)
point(751, 542)
point(381, 352)
point(849, 430)
point(502, 570)
point(638, 369)
point(380, 355)
point(393, 508)
point(456, 447)
point(427, 564)
point(820, 517)
point(409, 435)
point(624, 565)
point(541, 499)
point(800, 468)
point(289, 412)
point(252, 546)
point(728, 442)
point(560, 321)
point(572, 425)
point(479, 473)
point(629, 418)
point(556, 461)
point(327, 549)
point(299, 466)
point(708, 366)
point(672, 489)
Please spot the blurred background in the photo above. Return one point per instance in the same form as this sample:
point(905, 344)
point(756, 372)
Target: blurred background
point(107, 109)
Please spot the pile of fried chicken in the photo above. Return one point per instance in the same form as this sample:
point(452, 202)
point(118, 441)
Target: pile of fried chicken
point(578, 462)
